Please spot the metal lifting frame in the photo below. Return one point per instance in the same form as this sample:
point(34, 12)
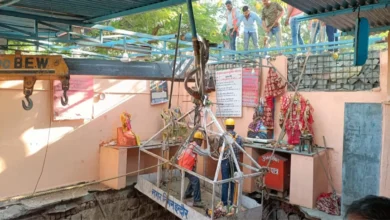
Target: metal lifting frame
point(228, 142)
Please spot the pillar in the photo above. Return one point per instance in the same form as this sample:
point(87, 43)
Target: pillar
point(113, 162)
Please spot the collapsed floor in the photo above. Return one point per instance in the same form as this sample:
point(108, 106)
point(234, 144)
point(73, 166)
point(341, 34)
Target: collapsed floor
point(86, 203)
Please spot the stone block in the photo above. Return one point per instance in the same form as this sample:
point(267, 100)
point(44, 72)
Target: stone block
point(373, 55)
point(133, 203)
point(334, 86)
point(375, 74)
point(347, 63)
point(339, 63)
point(133, 214)
point(348, 87)
point(353, 80)
point(341, 81)
point(123, 206)
point(322, 82)
point(356, 69)
point(142, 210)
point(290, 77)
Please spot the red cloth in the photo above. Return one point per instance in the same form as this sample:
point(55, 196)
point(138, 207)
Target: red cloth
point(300, 119)
point(273, 87)
point(329, 205)
point(268, 117)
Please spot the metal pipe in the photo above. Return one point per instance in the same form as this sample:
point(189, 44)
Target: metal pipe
point(254, 161)
point(174, 61)
point(249, 167)
point(212, 202)
point(150, 139)
point(9, 3)
point(183, 173)
point(177, 166)
point(192, 19)
point(243, 177)
point(239, 194)
point(215, 120)
point(219, 161)
point(165, 127)
point(234, 159)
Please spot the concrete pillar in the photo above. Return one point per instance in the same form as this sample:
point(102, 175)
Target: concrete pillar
point(113, 162)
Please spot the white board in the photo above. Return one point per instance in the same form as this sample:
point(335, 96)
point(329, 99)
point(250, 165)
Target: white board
point(229, 92)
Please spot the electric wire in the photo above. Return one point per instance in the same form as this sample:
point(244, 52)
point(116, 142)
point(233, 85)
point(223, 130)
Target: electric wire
point(50, 125)
point(82, 185)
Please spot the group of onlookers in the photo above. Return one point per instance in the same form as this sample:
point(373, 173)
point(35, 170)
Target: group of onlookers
point(271, 15)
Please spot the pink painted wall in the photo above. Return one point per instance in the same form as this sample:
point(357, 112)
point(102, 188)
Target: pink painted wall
point(73, 153)
point(329, 121)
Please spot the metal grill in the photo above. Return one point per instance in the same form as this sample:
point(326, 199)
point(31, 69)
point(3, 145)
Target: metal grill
point(324, 73)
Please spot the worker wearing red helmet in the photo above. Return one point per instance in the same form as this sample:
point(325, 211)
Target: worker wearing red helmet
point(227, 165)
point(187, 159)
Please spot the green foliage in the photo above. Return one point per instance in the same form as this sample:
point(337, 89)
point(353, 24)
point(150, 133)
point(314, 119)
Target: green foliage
point(209, 18)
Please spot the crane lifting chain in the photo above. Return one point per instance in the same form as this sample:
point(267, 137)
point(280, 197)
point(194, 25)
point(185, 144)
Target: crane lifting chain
point(199, 93)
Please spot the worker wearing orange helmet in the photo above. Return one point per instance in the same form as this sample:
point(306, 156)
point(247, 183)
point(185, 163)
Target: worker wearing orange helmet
point(187, 159)
point(227, 165)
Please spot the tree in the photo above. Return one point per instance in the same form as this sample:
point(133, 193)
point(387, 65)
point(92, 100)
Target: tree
point(165, 21)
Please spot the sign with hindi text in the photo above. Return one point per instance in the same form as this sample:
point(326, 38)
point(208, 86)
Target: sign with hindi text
point(229, 92)
point(250, 87)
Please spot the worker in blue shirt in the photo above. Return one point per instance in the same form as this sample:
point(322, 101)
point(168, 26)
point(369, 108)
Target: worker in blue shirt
point(250, 28)
point(227, 164)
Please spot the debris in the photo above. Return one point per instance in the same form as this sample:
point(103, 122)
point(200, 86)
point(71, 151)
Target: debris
point(100, 206)
point(219, 211)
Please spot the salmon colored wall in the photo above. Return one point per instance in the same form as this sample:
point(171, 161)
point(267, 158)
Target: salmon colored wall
point(329, 121)
point(73, 153)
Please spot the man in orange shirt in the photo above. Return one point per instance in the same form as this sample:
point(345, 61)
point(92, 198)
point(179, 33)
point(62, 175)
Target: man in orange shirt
point(187, 159)
point(292, 18)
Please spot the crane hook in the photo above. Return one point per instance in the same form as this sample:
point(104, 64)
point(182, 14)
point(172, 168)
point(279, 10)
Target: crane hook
point(64, 100)
point(30, 103)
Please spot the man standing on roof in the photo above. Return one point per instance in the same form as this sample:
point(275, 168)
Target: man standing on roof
point(227, 165)
point(331, 32)
point(187, 159)
point(271, 14)
point(317, 32)
point(232, 15)
point(250, 28)
point(226, 37)
point(292, 18)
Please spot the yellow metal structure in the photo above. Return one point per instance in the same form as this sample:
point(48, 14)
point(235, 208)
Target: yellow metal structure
point(31, 68)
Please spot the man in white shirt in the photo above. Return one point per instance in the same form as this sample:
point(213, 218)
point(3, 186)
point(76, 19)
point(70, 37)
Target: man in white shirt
point(232, 15)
